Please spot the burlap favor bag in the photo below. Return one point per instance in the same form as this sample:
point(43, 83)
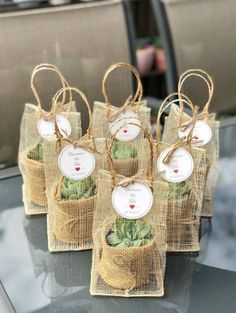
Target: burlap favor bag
point(105, 113)
point(73, 167)
point(177, 120)
point(30, 158)
point(129, 252)
point(185, 197)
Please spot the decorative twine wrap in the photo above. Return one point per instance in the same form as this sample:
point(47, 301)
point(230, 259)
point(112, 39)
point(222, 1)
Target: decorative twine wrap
point(70, 221)
point(183, 217)
point(103, 113)
point(133, 271)
point(178, 117)
point(34, 186)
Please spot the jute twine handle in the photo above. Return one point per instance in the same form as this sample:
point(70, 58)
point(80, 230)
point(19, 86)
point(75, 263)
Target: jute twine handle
point(129, 180)
point(89, 131)
point(131, 99)
point(203, 76)
point(185, 141)
point(167, 103)
point(53, 68)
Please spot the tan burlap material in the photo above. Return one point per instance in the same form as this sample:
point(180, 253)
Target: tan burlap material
point(184, 209)
point(69, 222)
point(105, 112)
point(34, 186)
point(177, 117)
point(133, 271)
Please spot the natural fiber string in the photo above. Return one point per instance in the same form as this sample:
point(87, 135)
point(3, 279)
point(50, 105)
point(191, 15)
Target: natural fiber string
point(54, 108)
point(82, 143)
point(210, 86)
point(130, 101)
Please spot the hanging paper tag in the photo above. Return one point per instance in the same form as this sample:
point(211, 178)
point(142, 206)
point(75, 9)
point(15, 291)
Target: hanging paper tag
point(179, 168)
point(201, 135)
point(47, 128)
point(128, 132)
point(76, 163)
point(133, 201)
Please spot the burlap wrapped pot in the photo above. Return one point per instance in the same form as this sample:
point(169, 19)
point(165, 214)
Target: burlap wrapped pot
point(73, 218)
point(177, 117)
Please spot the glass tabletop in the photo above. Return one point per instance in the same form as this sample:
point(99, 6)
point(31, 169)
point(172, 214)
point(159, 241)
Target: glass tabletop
point(38, 281)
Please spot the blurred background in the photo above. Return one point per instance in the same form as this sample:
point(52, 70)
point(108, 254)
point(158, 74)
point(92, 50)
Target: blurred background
point(162, 38)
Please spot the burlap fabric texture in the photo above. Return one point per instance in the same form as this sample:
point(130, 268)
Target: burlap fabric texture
point(185, 199)
point(31, 147)
point(105, 112)
point(177, 117)
point(130, 271)
point(69, 223)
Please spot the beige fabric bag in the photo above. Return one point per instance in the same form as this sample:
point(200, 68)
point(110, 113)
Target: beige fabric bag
point(185, 199)
point(131, 271)
point(31, 147)
point(71, 203)
point(177, 118)
point(103, 113)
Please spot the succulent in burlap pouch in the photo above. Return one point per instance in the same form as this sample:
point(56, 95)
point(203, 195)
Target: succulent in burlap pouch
point(184, 168)
point(37, 127)
point(129, 233)
point(73, 166)
point(105, 114)
point(205, 134)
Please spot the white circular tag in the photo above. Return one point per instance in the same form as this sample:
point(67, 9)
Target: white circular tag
point(47, 128)
point(76, 163)
point(202, 133)
point(133, 201)
point(128, 132)
point(180, 167)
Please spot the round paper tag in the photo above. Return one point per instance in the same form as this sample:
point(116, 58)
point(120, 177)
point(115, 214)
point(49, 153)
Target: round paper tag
point(47, 128)
point(76, 163)
point(133, 201)
point(202, 133)
point(179, 168)
point(128, 132)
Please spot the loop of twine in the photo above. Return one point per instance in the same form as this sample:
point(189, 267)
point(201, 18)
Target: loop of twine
point(49, 67)
point(205, 77)
point(136, 98)
point(118, 111)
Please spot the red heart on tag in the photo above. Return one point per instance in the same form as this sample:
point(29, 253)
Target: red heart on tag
point(125, 130)
point(132, 206)
point(77, 169)
point(176, 171)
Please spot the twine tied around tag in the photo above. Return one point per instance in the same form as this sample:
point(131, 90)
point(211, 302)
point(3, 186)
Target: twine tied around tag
point(170, 154)
point(131, 99)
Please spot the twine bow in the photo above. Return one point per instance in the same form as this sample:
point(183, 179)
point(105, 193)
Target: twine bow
point(118, 111)
point(192, 121)
point(130, 180)
point(170, 154)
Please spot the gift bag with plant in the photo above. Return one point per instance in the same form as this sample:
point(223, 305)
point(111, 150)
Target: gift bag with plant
point(206, 132)
point(184, 168)
point(73, 186)
point(36, 129)
point(105, 114)
point(129, 232)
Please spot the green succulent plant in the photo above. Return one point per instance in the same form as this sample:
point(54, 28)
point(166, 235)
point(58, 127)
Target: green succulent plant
point(129, 233)
point(123, 150)
point(77, 189)
point(36, 153)
point(178, 190)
